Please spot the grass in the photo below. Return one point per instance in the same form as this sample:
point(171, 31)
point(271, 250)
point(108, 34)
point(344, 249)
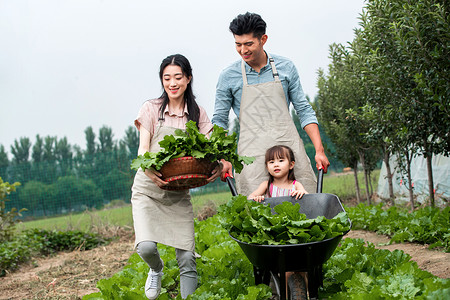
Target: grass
point(119, 216)
point(342, 185)
point(216, 199)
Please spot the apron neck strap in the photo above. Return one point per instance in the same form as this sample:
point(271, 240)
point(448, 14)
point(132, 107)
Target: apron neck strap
point(274, 70)
point(244, 74)
point(161, 118)
point(272, 65)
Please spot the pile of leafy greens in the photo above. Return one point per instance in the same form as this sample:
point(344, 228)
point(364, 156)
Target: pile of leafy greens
point(253, 222)
point(191, 142)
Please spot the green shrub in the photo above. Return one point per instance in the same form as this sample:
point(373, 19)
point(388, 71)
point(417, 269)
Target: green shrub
point(72, 192)
point(8, 219)
point(34, 242)
point(13, 253)
point(50, 241)
point(34, 194)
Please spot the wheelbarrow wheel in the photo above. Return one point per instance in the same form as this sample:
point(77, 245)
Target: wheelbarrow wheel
point(297, 287)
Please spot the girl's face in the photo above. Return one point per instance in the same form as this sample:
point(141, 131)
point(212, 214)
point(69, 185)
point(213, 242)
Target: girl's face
point(279, 167)
point(175, 82)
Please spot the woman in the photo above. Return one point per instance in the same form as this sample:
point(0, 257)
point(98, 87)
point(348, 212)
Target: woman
point(162, 216)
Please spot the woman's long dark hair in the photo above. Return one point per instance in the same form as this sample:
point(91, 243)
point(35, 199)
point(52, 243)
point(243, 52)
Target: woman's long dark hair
point(189, 98)
point(279, 151)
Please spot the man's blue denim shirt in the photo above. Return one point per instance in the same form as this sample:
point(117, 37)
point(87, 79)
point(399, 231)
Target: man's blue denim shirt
point(229, 90)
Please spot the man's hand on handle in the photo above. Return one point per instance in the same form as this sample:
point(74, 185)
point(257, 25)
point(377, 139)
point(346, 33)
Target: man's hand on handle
point(322, 161)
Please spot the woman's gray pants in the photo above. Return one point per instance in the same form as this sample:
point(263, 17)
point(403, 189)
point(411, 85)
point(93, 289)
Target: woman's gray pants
point(148, 251)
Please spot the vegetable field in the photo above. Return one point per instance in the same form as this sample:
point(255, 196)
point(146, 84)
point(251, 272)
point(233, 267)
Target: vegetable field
point(428, 225)
point(355, 271)
point(72, 275)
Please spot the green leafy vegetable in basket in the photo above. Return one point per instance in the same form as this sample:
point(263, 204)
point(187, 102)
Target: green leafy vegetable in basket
point(253, 222)
point(193, 143)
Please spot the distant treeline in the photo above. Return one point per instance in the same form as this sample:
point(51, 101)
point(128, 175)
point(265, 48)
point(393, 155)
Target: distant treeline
point(57, 177)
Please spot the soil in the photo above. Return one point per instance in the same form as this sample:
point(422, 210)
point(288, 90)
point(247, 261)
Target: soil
point(74, 274)
point(67, 275)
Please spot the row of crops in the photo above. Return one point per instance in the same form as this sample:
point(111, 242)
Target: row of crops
point(356, 270)
point(428, 225)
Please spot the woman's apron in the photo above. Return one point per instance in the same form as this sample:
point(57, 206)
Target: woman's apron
point(159, 215)
point(265, 121)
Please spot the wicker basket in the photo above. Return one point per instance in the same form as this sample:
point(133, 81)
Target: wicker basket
point(186, 172)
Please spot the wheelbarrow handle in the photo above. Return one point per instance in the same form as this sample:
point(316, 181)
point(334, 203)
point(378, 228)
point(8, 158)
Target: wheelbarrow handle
point(231, 184)
point(320, 181)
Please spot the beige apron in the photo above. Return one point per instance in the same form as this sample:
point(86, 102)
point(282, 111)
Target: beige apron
point(159, 215)
point(265, 121)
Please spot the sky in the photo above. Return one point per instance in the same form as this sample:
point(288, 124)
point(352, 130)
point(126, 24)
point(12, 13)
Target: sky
point(69, 64)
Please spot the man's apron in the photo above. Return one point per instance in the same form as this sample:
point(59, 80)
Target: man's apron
point(265, 121)
point(159, 215)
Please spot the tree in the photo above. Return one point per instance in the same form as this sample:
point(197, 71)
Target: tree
point(389, 87)
point(90, 141)
point(4, 162)
point(37, 156)
point(21, 153)
point(420, 31)
point(341, 100)
point(63, 155)
point(8, 219)
point(73, 193)
point(104, 159)
point(331, 115)
point(105, 137)
point(412, 38)
point(131, 140)
point(49, 160)
point(32, 195)
point(78, 159)
point(88, 168)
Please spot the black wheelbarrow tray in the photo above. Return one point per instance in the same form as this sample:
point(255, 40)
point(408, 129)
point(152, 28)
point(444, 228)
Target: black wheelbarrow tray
point(307, 257)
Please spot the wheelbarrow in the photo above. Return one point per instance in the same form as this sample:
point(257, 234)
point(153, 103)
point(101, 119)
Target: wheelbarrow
point(273, 261)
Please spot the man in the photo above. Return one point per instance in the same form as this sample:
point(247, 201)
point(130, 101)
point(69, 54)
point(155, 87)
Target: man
point(260, 88)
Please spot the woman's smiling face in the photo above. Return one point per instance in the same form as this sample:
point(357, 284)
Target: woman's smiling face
point(174, 82)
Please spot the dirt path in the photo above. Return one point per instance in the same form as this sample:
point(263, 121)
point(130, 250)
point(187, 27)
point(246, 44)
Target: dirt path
point(72, 275)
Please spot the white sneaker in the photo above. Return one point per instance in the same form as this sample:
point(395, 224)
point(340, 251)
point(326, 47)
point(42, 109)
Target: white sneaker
point(153, 283)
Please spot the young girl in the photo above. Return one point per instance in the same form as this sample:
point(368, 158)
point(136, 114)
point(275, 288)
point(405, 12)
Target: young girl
point(280, 163)
point(163, 216)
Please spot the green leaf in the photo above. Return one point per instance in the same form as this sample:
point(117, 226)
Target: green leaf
point(193, 143)
point(288, 209)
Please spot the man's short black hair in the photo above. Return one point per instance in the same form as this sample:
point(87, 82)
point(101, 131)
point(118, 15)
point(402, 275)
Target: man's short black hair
point(248, 23)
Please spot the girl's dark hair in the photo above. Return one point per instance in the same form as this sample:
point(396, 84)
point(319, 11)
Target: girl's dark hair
point(279, 151)
point(248, 23)
point(189, 98)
